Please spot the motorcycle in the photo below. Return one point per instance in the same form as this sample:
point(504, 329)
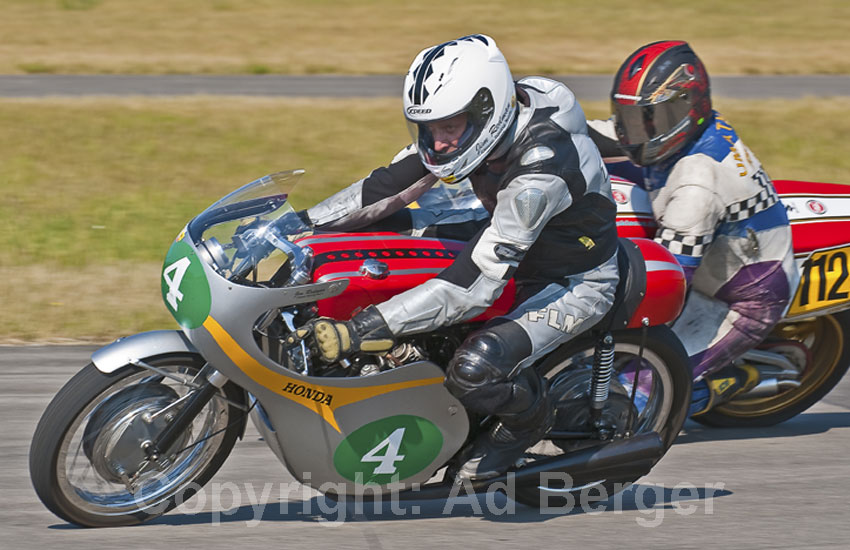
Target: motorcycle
point(807, 353)
point(155, 415)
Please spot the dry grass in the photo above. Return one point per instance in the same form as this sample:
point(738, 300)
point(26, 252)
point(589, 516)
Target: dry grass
point(95, 190)
point(382, 36)
point(101, 180)
point(97, 303)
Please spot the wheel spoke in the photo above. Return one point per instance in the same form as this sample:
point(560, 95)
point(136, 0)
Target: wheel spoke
point(84, 483)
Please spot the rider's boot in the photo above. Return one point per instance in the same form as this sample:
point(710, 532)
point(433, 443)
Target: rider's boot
point(722, 386)
point(498, 449)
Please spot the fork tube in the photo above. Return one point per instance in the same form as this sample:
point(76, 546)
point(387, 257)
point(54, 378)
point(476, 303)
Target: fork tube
point(185, 416)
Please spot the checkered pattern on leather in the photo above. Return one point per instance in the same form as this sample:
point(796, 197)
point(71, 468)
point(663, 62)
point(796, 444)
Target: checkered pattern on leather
point(748, 208)
point(683, 245)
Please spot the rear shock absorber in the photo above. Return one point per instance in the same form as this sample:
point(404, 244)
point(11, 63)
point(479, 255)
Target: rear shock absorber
point(603, 361)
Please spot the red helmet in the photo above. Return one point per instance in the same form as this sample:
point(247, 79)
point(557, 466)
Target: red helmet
point(660, 100)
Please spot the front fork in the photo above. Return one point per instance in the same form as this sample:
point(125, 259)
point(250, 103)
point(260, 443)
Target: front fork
point(199, 398)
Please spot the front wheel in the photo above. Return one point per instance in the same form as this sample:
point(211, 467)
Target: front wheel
point(662, 398)
point(87, 464)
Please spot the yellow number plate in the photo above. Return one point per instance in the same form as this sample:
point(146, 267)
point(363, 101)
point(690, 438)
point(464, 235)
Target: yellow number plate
point(824, 281)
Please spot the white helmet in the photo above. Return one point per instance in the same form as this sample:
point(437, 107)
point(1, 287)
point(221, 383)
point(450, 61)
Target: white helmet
point(468, 75)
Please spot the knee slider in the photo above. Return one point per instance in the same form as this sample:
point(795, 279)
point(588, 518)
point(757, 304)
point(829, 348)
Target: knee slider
point(480, 359)
point(477, 374)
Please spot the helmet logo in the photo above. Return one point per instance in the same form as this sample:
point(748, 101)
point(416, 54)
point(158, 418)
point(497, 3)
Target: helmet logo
point(417, 92)
point(417, 111)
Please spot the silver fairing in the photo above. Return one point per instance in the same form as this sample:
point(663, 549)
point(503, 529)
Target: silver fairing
point(310, 424)
point(239, 260)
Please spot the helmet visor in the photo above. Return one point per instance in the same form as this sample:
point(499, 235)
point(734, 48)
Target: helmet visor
point(442, 140)
point(636, 124)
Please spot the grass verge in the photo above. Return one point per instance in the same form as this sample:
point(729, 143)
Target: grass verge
point(95, 190)
point(382, 36)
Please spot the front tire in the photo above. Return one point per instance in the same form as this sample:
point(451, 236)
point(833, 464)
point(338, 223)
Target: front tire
point(86, 446)
point(663, 405)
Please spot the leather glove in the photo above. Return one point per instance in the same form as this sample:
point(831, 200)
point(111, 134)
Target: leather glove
point(367, 331)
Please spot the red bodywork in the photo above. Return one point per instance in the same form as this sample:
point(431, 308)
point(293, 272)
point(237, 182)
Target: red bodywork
point(410, 261)
point(814, 229)
point(665, 285)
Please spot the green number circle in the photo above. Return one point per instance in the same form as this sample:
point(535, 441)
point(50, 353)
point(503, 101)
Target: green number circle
point(389, 449)
point(185, 289)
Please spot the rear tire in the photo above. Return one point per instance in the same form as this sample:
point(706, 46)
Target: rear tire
point(78, 482)
point(828, 341)
point(665, 411)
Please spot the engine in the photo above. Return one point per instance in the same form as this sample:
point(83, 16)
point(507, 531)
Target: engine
point(273, 329)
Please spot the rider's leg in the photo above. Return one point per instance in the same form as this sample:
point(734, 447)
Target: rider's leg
point(489, 375)
point(718, 329)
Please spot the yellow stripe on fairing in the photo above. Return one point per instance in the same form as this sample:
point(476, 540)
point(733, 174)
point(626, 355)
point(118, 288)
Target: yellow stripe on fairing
point(277, 382)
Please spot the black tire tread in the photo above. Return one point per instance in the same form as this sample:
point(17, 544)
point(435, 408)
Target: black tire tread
point(58, 417)
point(666, 345)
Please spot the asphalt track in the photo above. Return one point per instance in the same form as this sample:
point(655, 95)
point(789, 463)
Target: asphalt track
point(781, 487)
point(585, 87)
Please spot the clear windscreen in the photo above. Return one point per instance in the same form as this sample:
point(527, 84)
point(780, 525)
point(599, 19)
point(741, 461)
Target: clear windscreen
point(246, 237)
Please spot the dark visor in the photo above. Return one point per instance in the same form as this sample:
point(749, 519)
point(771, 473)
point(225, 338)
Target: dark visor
point(638, 124)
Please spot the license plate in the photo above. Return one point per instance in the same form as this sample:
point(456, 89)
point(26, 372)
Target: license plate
point(824, 281)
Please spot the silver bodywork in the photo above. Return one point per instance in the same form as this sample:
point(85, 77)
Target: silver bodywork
point(328, 431)
point(132, 349)
point(301, 437)
point(307, 440)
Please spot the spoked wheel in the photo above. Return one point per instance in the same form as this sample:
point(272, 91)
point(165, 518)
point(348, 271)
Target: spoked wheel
point(661, 403)
point(825, 357)
point(87, 461)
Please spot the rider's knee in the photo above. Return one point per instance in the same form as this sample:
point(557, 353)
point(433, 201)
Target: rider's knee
point(478, 374)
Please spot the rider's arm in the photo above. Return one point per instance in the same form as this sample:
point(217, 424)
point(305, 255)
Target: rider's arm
point(688, 211)
point(618, 164)
point(603, 135)
point(385, 191)
point(477, 277)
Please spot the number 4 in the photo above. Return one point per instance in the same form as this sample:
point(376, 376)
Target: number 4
point(178, 268)
point(387, 461)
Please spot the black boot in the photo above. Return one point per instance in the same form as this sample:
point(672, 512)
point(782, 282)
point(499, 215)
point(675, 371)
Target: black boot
point(500, 448)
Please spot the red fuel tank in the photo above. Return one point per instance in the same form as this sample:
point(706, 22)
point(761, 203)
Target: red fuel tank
point(381, 265)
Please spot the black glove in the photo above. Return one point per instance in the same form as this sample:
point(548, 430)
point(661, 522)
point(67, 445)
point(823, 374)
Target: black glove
point(367, 331)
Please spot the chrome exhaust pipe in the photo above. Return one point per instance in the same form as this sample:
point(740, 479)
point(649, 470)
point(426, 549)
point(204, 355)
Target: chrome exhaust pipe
point(769, 388)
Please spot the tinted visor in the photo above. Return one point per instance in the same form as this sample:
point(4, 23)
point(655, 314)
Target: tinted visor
point(443, 140)
point(636, 124)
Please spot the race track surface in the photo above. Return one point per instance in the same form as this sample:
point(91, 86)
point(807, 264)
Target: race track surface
point(586, 87)
point(781, 487)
